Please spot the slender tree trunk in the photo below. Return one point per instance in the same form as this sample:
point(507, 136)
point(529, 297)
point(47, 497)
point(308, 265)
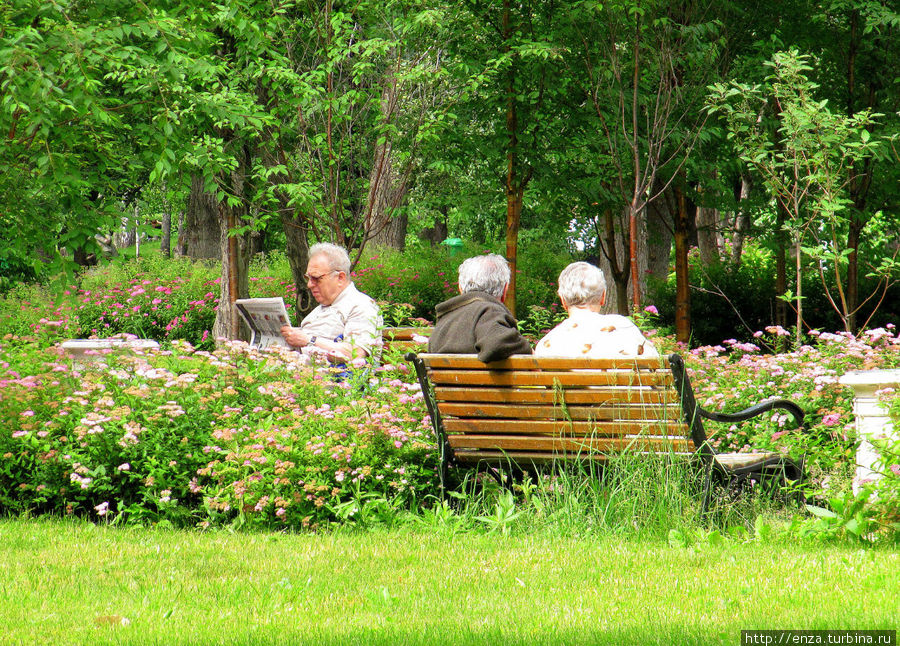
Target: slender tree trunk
point(180, 246)
point(682, 270)
point(857, 223)
point(741, 223)
point(513, 217)
point(165, 243)
point(136, 229)
point(235, 255)
point(516, 177)
point(781, 308)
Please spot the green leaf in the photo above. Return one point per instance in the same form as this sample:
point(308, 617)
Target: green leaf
point(821, 512)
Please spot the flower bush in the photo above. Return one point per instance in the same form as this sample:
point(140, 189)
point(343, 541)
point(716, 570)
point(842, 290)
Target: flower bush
point(178, 303)
point(189, 436)
point(735, 375)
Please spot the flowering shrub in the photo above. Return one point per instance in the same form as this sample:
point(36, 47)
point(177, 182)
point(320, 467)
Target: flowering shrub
point(734, 375)
point(417, 282)
point(186, 435)
point(179, 303)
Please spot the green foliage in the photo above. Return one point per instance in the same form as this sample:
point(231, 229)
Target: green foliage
point(727, 301)
point(409, 285)
point(805, 154)
point(416, 280)
point(541, 320)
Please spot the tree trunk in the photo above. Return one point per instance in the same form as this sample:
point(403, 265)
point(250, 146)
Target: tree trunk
point(393, 233)
point(613, 260)
point(708, 235)
point(781, 243)
point(234, 283)
point(516, 178)
point(513, 217)
point(682, 269)
point(202, 234)
point(741, 223)
point(633, 212)
point(180, 246)
point(165, 243)
point(658, 247)
point(298, 257)
point(235, 255)
point(857, 223)
point(387, 191)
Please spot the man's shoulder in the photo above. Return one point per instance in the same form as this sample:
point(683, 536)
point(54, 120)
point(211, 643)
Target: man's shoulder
point(351, 298)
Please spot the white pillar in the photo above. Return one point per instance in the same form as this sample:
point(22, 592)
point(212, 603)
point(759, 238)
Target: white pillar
point(872, 419)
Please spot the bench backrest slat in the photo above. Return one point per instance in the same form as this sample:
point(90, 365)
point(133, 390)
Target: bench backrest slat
point(550, 378)
point(526, 412)
point(563, 427)
point(550, 396)
point(564, 444)
point(528, 362)
point(404, 338)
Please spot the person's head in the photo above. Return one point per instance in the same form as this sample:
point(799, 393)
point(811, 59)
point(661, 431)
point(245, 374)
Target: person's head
point(581, 284)
point(489, 273)
point(328, 272)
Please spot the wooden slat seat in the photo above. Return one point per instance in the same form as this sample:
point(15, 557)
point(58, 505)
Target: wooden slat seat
point(528, 410)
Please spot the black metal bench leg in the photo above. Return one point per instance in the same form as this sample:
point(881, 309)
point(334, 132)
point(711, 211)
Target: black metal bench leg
point(707, 489)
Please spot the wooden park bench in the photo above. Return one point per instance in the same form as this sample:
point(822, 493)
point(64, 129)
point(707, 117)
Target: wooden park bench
point(527, 410)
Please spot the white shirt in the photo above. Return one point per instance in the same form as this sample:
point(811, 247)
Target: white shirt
point(352, 318)
point(593, 335)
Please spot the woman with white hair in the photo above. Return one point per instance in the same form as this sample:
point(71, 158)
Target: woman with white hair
point(588, 333)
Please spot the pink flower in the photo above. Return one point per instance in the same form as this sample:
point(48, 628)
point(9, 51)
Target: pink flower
point(102, 509)
point(830, 419)
point(651, 309)
point(895, 469)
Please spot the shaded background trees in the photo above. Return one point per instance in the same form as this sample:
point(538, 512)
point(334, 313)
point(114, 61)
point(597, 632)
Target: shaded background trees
point(572, 125)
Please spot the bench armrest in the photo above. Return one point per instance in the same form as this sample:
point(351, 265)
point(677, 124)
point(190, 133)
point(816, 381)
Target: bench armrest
point(756, 410)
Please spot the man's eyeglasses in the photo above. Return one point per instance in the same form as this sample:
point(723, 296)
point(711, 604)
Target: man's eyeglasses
point(315, 280)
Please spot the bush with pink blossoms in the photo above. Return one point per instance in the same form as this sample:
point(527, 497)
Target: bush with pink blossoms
point(736, 375)
point(187, 436)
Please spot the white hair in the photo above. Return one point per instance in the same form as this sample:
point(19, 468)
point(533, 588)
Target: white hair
point(581, 283)
point(338, 259)
point(488, 273)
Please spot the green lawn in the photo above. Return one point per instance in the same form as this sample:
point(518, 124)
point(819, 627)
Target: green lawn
point(71, 583)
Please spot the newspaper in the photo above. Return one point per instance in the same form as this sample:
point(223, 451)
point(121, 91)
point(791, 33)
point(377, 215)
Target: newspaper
point(264, 317)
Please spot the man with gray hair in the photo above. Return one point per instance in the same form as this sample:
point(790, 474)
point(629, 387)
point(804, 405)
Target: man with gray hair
point(477, 321)
point(346, 322)
point(588, 333)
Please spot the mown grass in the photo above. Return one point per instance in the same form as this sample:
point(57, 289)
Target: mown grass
point(72, 583)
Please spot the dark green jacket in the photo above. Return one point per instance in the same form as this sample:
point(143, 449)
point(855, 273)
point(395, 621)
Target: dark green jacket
point(476, 323)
